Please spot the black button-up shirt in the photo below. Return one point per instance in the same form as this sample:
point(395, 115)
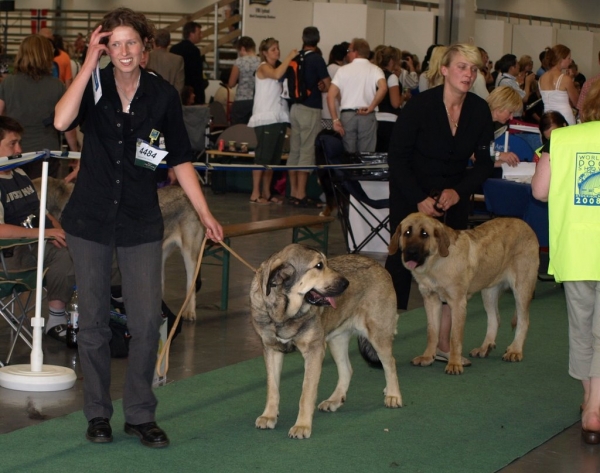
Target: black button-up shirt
point(115, 201)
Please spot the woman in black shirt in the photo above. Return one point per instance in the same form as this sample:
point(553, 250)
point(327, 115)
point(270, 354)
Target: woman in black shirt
point(123, 110)
point(434, 137)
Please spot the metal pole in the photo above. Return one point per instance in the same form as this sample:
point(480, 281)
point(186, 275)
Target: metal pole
point(216, 44)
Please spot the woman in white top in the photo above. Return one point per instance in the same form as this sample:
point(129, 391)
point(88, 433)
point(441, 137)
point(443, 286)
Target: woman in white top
point(387, 58)
point(270, 117)
point(336, 60)
point(557, 88)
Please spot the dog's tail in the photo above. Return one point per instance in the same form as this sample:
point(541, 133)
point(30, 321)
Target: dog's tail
point(368, 352)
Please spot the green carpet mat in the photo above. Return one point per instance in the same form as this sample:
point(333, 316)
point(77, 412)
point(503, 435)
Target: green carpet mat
point(478, 422)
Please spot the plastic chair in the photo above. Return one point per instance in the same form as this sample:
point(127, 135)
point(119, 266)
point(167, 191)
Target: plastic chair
point(13, 284)
point(240, 133)
point(352, 199)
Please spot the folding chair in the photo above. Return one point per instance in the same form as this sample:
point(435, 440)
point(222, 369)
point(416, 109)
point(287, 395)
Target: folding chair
point(197, 120)
point(365, 219)
point(14, 284)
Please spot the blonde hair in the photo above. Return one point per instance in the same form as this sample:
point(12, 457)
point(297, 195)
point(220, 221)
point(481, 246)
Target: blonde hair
point(434, 74)
point(590, 111)
point(35, 57)
point(265, 44)
point(505, 98)
point(525, 61)
point(470, 53)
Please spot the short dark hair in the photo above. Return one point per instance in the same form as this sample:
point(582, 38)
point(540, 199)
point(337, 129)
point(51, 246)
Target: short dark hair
point(128, 17)
point(310, 36)
point(162, 38)
point(338, 52)
point(189, 28)
point(506, 62)
point(247, 43)
point(8, 125)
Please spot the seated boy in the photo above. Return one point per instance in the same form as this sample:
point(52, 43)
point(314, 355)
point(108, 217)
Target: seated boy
point(19, 201)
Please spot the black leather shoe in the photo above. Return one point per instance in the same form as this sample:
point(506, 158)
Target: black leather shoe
point(99, 430)
point(150, 434)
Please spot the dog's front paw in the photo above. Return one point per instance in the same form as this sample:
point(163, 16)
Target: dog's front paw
point(393, 401)
point(300, 432)
point(454, 368)
point(264, 422)
point(331, 405)
point(482, 352)
point(423, 360)
point(512, 356)
point(189, 315)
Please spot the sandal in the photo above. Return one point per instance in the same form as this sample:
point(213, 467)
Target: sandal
point(442, 356)
point(274, 200)
point(260, 201)
point(292, 200)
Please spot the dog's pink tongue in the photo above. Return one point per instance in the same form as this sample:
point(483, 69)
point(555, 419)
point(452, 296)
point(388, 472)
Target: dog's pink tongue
point(411, 264)
point(331, 300)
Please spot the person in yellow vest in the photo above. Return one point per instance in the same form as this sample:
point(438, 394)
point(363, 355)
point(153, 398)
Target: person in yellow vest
point(568, 177)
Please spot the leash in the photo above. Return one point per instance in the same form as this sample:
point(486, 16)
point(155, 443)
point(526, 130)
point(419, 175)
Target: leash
point(164, 354)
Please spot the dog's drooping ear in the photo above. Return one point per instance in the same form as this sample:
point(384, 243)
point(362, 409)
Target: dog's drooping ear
point(277, 274)
point(395, 241)
point(443, 240)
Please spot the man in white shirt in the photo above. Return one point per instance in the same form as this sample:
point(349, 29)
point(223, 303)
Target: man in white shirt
point(361, 85)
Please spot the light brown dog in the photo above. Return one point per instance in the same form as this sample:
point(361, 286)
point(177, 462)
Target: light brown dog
point(451, 265)
point(299, 299)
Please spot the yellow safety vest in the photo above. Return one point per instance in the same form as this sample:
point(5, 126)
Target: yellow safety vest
point(574, 203)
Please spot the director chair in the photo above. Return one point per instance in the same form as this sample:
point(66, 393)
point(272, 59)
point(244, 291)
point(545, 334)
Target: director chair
point(365, 219)
point(16, 295)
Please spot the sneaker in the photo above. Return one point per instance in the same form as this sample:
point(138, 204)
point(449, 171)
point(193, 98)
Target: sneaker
point(443, 356)
point(58, 332)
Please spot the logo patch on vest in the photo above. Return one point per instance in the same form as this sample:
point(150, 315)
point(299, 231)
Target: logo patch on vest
point(587, 179)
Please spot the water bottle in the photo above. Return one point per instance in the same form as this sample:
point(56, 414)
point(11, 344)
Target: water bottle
point(73, 324)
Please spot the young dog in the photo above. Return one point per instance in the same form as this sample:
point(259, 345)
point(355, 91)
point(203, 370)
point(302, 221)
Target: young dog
point(299, 299)
point(450, 266)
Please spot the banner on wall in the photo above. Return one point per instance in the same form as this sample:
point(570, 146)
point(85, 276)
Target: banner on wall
point(39, 19)
point(261, 9)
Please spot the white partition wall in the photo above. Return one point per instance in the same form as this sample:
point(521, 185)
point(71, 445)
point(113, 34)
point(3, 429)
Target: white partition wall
point(532, 40)
point(495, 36)
point(338, 22)
point(581, 44)
point(375, 27)
point(412, 31)
point(282, 19)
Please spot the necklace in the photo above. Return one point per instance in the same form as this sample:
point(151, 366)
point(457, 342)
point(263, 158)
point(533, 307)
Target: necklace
point(454, 122)
point(124, 95)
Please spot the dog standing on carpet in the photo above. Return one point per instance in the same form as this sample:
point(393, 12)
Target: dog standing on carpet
point(300, 299)
point(183, 228)
point(451, 265)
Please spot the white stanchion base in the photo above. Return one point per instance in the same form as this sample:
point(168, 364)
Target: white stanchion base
point(51, 378)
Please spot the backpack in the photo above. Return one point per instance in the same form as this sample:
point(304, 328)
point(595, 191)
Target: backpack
point(295, 76)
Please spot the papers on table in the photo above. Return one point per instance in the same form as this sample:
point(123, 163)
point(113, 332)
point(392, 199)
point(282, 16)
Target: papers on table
point(521, 173)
